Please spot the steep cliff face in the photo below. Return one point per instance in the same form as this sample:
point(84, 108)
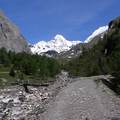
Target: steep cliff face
point(10, 37)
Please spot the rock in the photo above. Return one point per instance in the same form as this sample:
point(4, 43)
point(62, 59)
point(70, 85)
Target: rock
point(22, 98)
point(10, 36)
point(114, 23)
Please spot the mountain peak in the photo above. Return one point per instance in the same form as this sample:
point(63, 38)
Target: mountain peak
point(10, 36)
point(58, 44)
point(59, 37)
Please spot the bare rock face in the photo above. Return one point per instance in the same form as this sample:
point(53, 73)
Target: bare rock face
point(10, 37)
point(114, 23)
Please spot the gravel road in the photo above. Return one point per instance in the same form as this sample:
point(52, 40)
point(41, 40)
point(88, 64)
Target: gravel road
point(84, 99)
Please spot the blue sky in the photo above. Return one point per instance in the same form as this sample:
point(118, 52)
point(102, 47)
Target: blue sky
point(74, 19)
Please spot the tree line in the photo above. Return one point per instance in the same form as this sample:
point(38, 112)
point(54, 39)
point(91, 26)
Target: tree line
point(28, 64)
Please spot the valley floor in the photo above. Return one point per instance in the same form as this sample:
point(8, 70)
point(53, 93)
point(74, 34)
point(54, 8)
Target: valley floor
point(85, 98)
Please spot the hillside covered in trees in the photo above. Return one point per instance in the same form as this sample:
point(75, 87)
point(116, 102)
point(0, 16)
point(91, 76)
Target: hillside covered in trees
point(102, 58)
point(23, 66)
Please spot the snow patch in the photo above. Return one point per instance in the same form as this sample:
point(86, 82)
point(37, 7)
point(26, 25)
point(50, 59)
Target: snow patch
point(97, 32)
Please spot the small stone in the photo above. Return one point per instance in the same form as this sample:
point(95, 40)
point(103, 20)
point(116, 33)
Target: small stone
point(22, 98)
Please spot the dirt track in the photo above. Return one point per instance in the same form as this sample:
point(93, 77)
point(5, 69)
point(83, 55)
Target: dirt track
point(84, 99)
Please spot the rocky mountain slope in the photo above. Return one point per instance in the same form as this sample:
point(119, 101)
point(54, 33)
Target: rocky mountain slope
point(10, 36)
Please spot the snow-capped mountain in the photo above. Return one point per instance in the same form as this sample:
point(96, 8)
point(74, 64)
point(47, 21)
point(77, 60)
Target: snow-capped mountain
point(58, 44)
point(93, 39)
point(97, 32)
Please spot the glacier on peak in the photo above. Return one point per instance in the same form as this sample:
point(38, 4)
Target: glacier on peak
point(58, 44)
point(97, 32)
